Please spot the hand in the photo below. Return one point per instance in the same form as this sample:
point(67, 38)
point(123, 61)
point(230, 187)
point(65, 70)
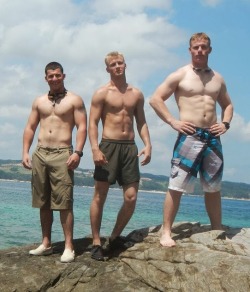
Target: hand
point(147, 155)
point(27, 162)
point(73, 161)
point(186, 128)
point(99, 158)
point(218, 129)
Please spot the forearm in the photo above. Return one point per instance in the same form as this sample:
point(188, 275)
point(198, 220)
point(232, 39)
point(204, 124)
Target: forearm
point(144, 134)
point(93, 137)
point(28, 137)
point(81, 136)
point(161, 110)
point(227, 114)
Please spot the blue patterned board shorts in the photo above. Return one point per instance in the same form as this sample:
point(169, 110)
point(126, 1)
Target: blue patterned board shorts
point(198, 153)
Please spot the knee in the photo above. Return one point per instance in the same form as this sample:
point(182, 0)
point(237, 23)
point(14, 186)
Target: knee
point(130, 199)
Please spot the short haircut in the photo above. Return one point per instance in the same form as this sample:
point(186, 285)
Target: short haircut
point(200, 35)
point(112, 54)
point(53, 66)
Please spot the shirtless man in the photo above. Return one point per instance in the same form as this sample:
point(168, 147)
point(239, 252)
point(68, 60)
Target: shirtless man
point(116, 158)
point(196, 88)
point(53, 161)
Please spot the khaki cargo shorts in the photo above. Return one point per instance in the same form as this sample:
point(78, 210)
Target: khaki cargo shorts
point(52, 182)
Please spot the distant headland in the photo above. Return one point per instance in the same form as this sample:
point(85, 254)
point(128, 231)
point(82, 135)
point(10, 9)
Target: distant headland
point(13, 170)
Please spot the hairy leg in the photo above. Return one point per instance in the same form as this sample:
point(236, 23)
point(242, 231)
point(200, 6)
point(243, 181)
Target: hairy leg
point(171, 206)
point(67, 221)
point(96, 209)
point(46, 218)
point(213, 207)
point(127, 209)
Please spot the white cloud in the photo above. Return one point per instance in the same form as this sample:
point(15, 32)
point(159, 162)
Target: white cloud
point(239, 130)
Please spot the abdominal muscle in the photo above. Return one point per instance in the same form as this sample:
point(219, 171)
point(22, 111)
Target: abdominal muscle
point(55, 133)
point(118, 127)
point(199, 110)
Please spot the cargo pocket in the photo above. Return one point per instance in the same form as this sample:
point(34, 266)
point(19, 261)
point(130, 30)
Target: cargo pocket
point(175, 162)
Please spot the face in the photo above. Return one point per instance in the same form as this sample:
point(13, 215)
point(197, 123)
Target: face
point(116, 66)
point(55, 79)
point(200, 50)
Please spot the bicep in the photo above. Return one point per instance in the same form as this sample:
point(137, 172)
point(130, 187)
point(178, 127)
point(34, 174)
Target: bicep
point(139, 110)
point(34, 118)
point(80, 114)
point(167, 87)
point(96, 109)
point(224, 98)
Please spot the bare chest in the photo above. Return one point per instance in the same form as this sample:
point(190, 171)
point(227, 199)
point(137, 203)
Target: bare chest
point(61, 109)
point(200, 84)
point(120, 103)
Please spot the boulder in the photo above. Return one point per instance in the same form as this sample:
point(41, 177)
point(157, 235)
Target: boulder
point(202, 260)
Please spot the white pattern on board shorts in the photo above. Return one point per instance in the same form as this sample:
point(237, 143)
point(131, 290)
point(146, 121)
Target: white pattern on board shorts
point(198, 153)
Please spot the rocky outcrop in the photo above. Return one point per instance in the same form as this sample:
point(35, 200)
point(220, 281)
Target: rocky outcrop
point(202, 260)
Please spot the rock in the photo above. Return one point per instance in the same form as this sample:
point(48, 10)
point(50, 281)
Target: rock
point(202, 260)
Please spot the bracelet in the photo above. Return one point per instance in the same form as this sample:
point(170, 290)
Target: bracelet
point(227, 125)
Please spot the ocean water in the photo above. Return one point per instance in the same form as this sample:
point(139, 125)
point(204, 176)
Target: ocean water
point(20, 223)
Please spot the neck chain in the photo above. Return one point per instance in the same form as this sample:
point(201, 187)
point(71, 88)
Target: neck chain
point(53, 97)
point(206, 70)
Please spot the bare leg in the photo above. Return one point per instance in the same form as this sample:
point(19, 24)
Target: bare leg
point(171, 206)
point(46, 218)
point(96, 209)
point(67, 221)
point(213, 207)
point(127, 209)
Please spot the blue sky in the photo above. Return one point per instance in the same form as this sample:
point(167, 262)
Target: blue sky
point(153, 35)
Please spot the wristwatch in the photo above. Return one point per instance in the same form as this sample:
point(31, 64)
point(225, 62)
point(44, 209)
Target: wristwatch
point(227, 125)
point(79, 153)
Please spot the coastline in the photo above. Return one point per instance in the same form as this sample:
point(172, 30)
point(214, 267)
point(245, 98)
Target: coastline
point(144, 191)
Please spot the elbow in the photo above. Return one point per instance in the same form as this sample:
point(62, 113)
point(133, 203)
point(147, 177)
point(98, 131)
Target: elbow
point(152, 102)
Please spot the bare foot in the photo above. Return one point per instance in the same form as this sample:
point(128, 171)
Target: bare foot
point(167, 241)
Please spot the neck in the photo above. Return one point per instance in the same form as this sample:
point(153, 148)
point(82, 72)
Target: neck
point(200, 68)
point(56, 92)
point(55, 96)
point(120, 84)
point(201, 65)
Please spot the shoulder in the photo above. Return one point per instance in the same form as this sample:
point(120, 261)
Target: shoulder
point(181, 72)
point(178, 74)
point(101, 92)
point(134, 89)
point(218, 76)
point(73, 95)
point(74, 98)
point(40, 100)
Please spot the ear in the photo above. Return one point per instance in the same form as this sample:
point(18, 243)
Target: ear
point(210, 50)
point(107, 69)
